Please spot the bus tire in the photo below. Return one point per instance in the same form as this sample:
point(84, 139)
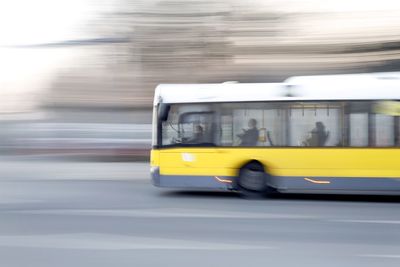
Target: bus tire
point(252, 181)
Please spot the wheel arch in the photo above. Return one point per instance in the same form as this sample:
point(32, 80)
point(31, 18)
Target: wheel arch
point(249, 162)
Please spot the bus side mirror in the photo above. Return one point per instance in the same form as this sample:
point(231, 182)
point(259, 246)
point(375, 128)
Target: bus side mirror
point(163, 111)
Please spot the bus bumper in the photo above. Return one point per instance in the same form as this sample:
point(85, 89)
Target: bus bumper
point(155, 175)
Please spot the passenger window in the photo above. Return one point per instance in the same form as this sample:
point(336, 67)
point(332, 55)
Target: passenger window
point(315, 124)
point(273, 132)
point(246, 127)
point(358, 123)
point(386, 123)
point(260, 127)
point(397, 130)
point(253, 124)
point(227, 130)
point(358, 129)
point(384, 130)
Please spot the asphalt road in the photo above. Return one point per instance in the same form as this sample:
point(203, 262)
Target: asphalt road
point(68, 217)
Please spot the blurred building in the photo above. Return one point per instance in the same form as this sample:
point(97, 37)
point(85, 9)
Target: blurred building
point(213, 41)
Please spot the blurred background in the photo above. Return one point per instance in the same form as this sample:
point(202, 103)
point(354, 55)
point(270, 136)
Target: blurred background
point(77, 79)
point(78, 76)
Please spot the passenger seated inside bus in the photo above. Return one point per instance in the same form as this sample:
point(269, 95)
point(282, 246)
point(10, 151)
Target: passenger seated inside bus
point(318, 136)
point(249, 137)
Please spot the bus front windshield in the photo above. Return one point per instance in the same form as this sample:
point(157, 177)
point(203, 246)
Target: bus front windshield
point(189, 125)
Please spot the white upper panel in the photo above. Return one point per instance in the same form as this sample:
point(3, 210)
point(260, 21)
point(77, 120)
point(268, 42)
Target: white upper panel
point(328, 87)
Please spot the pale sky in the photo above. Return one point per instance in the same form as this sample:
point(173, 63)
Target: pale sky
point(25, 72)
point(42, 21)
point(324, 5)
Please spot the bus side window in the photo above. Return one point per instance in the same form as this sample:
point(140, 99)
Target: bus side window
point(385, 124)
point(358, 130)
point(273, 126)
point(315, 124)
point(226, 135)
point(384, 130)
point(246, 126)
point(397, 130)
point(318, 135)
point(358, 124)
point(264, 124)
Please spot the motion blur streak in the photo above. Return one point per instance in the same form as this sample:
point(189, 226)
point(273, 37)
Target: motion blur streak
point(88, 61)
point(77, 81)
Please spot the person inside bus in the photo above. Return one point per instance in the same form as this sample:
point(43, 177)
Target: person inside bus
point(249, 137)
point(198, 135)
point(318, 136)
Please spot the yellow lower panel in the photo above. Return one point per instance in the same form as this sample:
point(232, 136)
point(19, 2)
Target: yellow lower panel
point(197, 171)
point(337, 162)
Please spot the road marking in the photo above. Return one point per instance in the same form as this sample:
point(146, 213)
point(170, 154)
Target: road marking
point(92, 241)
point(168, 213)
point(368, 221)
point(380, 256)
point(191, 213)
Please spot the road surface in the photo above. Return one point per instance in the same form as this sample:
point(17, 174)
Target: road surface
point(108, 214)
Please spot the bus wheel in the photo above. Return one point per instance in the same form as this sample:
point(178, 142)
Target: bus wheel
point(252, 181)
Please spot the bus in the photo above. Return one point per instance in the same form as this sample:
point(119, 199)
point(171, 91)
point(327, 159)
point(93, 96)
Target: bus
point(310, 134)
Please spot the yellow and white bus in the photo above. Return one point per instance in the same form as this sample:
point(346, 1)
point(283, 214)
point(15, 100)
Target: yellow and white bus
point(333, 134)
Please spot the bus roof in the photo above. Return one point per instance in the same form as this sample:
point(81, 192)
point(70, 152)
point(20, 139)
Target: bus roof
point(371, 86)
